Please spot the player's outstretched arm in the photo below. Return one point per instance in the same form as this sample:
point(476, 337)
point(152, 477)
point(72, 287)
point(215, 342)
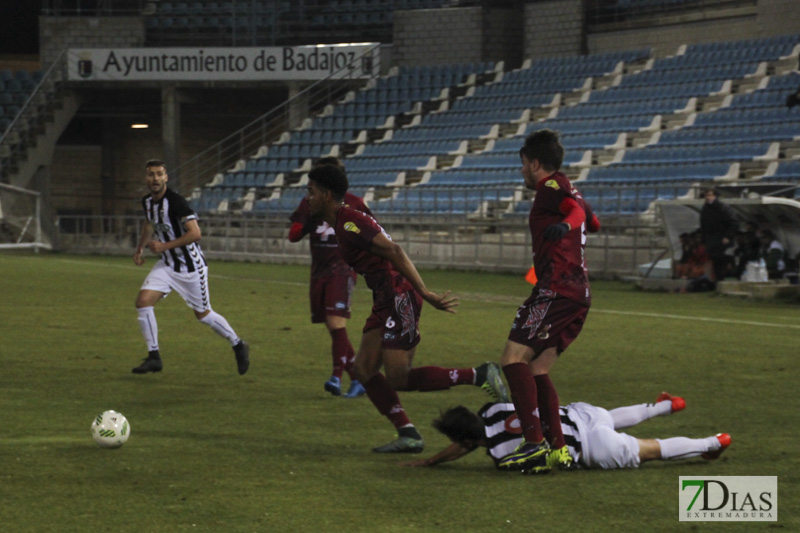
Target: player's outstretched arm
point(384, 247)
point(451, 453)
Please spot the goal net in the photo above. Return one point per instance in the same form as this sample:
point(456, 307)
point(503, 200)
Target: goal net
point(20, 218)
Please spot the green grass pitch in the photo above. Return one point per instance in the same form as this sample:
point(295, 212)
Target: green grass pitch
point(271, 451)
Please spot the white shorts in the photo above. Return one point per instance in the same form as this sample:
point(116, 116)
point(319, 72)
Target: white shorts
point(601, 445)
point(192, 286)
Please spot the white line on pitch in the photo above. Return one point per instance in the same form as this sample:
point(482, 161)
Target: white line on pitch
point(490, 298)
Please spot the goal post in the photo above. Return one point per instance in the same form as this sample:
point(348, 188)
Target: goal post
point(21, 219)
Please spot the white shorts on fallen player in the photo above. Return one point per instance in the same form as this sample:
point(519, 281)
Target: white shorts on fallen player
point(601, 445)
point(192, 286)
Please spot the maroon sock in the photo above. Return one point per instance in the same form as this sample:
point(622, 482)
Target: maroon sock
point(350, 365)
point(523, 393)
point(385, 399)
point(341, 349)
point(548, 408)
point(430, 378)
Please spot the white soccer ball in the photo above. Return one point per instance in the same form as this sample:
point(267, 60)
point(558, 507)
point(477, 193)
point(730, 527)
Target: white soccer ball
point(110, 429)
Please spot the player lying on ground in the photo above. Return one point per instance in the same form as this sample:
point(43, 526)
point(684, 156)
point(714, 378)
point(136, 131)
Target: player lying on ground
point(590, 431)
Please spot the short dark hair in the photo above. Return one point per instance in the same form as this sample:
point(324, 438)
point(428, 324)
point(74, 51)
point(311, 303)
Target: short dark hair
point(155, 163)
point(330, 177)
point(329, 160)
point(460, 424)
point(544, 146)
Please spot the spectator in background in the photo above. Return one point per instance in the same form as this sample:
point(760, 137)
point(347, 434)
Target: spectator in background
point(693, 261)
point(748, 248)
point(773, 253)
point(717, 229)
point(332, 282)
point(681, 266)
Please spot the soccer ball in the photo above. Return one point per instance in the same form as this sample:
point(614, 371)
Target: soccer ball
point(110, 429)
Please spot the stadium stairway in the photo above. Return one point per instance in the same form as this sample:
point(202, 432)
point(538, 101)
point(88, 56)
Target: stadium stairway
point(30, 135)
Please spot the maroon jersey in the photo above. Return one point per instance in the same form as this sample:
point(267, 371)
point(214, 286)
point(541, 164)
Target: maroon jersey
point(355, 231)
point(326, 261)
point(560, 265)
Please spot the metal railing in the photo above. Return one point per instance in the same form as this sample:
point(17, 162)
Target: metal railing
point(483, 245)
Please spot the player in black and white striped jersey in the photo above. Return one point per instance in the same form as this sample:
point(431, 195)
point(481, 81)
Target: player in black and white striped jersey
point(171, 229)
point(590, 433)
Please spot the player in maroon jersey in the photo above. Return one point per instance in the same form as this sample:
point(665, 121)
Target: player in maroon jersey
point(391, 332)
point(553, 315)
point(331, 287)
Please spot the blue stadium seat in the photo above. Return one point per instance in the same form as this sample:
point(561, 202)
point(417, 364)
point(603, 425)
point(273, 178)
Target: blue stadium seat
point(423, 200)
point(14, 86)
point(697, 135)
point(729, 152)
point(637, 173)
point(745, 117)
point(657, 92)
point(370, 178)
point(657, 76)
point(434, 133)
point(380, 163)
point(618, 109)
point(595, 125)
point(474, 177)
point(787, 171)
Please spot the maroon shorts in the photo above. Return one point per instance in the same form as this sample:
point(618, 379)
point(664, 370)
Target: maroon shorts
point(546, 320)
point(331, 296)
point(398, 320)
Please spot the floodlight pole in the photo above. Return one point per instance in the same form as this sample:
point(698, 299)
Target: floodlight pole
point(171, 132)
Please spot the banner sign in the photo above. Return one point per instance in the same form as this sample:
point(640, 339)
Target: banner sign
point(728, 498)
point(359, 60)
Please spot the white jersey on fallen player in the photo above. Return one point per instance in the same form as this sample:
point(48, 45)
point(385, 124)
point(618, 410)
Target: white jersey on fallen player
point(592, 436)
point(504, 434)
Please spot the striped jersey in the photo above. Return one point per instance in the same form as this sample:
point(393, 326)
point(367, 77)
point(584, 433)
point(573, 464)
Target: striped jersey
point(504, 434)
point(168, 217)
